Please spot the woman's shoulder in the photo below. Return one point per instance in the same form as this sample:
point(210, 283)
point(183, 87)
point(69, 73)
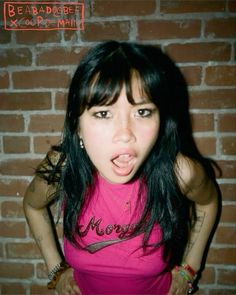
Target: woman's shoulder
point(52, 159)
point(55, 157)
point(194, 181)
point(51, 166)
point(190, 173)
point(43, 187)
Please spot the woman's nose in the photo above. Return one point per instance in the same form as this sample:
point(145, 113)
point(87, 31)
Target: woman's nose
point(123, 132)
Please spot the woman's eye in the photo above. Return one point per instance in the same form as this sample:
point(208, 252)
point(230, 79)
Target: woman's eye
point(102, 115)
point(144, 113)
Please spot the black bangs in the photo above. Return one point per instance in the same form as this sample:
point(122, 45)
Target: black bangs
point(114, 74)
point(116, 71)
point(110, 66)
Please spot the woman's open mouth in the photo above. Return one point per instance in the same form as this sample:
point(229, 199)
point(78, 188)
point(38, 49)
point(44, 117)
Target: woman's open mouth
point(123, 164)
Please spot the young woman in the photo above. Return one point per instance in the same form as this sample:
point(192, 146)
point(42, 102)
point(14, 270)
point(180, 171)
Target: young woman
point(138, 200)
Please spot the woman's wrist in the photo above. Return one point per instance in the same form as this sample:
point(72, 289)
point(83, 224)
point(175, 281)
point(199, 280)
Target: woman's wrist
point(188, 274)
point(55, 274)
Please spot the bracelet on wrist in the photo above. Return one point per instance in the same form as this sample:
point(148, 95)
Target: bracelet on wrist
point(188, 273)
point(189, 269)
point(55, 274)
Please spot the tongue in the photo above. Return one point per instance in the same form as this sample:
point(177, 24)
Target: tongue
point(122, 161)
point(122, 165)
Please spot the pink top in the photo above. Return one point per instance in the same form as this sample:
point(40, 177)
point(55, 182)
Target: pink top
point(108, 262)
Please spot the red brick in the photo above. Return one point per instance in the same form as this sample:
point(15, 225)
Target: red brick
point(11, 123)
point(4, 80)
point(41, 78)
point(11, 229)
point(25, 101)
point(37, 37)
point(221, 75)
point(22, 250)
point(227, 277)
point(177, 6)
point(228, 145)
point(106, 30)
point(222, 291)
point(213, 99)
point(206, 145)
point(221, 28)
point(13, 288)
point(46, 123)
point(1, 250)
point(222, 256)
point(12, 209)
point(228, 213)
point(121, 7)
point(202, 291)
point(199, 52)
point(192, 75)
point(21, 167)
point(5, 36)
point(16, 270)
point(168, 29)
point(43, 143)
point(13, 187)
point(228, 168)
point(40, 289)
point(227, 123)
point(71, 36)
point(15, 57)
point(208, 276)
point(41, 271)
point(232, 5)
point(16, 144)
point(228, 191)
point(234, 52)
point(60, 56)
point(225, 235)
point(61, 101)
point(202, 122)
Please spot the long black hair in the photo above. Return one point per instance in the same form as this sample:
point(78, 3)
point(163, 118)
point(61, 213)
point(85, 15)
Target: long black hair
point(98, 80)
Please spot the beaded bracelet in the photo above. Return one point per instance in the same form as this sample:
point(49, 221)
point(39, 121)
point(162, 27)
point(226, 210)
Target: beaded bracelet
point(56, 273)
point(189, 269)
point(189, 274)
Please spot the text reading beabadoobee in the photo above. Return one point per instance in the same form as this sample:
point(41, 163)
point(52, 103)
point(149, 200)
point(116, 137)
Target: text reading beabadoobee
point(43, 15)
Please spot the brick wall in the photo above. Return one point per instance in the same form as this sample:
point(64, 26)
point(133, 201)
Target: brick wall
point(35, 69)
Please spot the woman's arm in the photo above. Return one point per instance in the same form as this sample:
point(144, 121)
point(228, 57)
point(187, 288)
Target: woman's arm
point(35, 204)
point(36, 200)
point(199, 188)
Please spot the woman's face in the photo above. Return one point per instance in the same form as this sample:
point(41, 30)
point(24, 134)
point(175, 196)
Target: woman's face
point(119, 137)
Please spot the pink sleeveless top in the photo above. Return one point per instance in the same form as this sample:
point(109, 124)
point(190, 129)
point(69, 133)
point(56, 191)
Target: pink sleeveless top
point(109, 262)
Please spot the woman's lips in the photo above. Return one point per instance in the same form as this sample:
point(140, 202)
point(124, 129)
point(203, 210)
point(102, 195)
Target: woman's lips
point(123, 163)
